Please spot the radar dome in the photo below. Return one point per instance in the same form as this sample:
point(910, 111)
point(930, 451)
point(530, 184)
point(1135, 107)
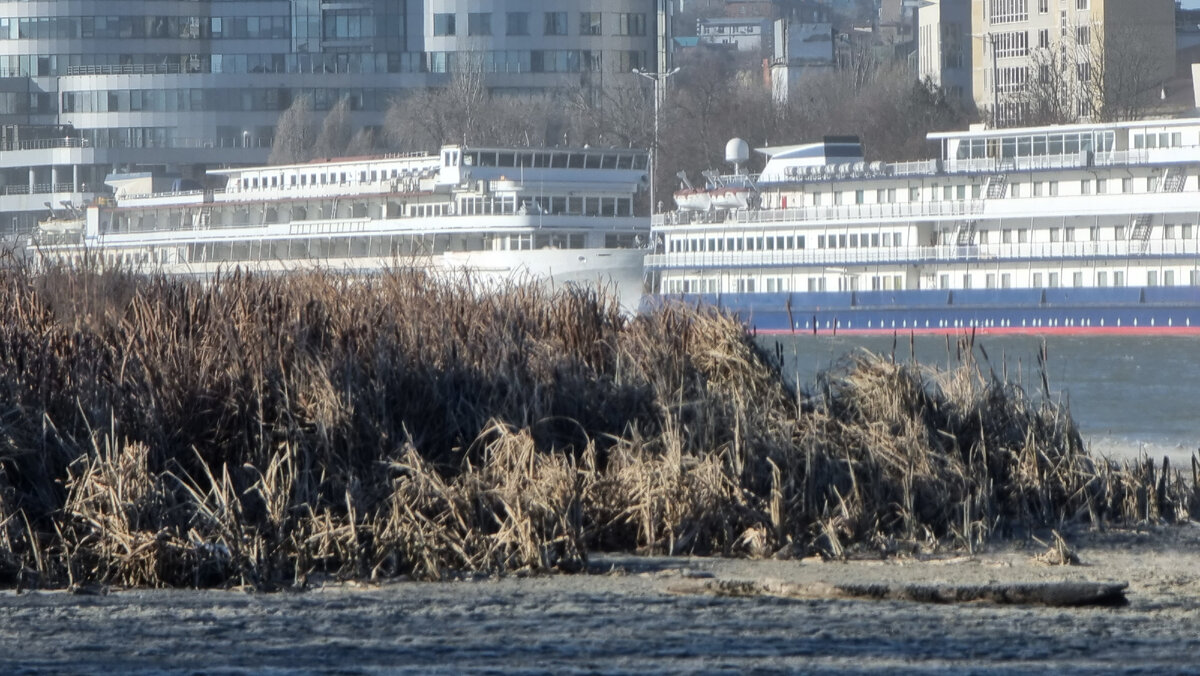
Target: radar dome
point(737, 151)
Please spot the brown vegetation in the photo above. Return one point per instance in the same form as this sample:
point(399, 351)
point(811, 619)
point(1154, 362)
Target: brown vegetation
point(258, 430)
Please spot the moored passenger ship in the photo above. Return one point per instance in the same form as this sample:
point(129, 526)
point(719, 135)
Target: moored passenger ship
point(563, 215)
point(1088, 228)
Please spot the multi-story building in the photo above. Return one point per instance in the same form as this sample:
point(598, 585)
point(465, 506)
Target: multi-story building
point(1046, 61)
point(181, 85)
point(944, 49)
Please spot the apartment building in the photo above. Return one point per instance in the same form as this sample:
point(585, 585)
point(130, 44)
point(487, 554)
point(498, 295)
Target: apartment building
point(181, 85)
point(1048, 61)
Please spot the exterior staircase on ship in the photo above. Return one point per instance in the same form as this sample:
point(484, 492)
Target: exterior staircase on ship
point(965, 229)
point(1172, 181)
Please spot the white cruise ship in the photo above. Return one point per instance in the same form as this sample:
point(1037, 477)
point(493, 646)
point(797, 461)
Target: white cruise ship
point(563, 215)
point(1088, 228)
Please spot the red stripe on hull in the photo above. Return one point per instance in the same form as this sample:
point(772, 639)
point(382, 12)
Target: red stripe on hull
point(996, 330)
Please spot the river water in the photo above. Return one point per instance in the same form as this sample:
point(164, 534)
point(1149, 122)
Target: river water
point(1130, 395)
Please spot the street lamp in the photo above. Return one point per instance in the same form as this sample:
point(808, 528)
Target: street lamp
point(657, 78)
point(989, 39)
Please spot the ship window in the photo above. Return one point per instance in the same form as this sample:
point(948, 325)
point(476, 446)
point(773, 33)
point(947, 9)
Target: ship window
point(1053, 280)
point(1077, 279)
point(967, 281)
point(1102, 278)
point(1169, 231)
point(853, 241)
point(1186, 231)
point(1194, 277)
point(1085, 187)
point(990, 280)
point(820, 241)
point(800, 242)
point(860, 196)
point(591, 161)
point(1054, 188)
point(887, 239)
point(841, 241)
point(791, 243)
point(1006, 280)
point(1037, 280)
point(1126, 185)
point(1152, 278)
point(948, 192)
point(575, 162)
point(875, 239)
point(1118, 278)
point(1053, 235)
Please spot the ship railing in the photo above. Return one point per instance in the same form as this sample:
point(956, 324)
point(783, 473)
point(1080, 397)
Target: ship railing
point(39, 188)
point(914, 168)
point(48, 143)
point(979, 254)
point(891, 210)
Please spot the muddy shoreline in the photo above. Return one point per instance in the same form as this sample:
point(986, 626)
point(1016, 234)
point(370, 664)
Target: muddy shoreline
point(623, 618)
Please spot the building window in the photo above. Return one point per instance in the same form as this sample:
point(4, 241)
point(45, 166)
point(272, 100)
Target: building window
point(1044, 38)
point(1084, 71)
point(443, 24)
point(1083, 35)
point(1043, 6)
point(517, 23)
point(1011, 44)
point(1008, 11)
point(631, 24)
point(590, 24)
point(555, 23)
point(479, 23)
point(1081, 4)
point(628, 60)
point(1011, 79)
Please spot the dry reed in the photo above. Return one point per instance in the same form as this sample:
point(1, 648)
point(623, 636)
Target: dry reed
point(259, 430)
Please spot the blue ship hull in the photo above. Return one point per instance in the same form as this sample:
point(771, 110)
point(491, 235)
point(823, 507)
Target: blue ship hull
point(1131, 310)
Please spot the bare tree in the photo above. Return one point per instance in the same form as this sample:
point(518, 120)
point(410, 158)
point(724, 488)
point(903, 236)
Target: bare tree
point(294, 134)
point(336, 131)
point(1107, 73)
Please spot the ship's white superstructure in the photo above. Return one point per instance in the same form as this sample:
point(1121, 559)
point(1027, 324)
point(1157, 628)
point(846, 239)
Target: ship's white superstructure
point(566, 215)
point(1091, 210)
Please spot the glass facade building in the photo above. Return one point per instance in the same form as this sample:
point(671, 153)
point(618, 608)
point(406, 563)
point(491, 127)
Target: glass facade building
point(182, 85)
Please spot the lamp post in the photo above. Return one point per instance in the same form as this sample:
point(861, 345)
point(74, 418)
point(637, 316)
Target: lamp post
point(657, 79)
point(989, 41)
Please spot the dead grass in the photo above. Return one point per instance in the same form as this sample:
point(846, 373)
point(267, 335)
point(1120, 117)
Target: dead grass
point(259, 430)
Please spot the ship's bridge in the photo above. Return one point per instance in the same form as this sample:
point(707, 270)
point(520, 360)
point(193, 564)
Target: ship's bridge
point(1165, 140)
